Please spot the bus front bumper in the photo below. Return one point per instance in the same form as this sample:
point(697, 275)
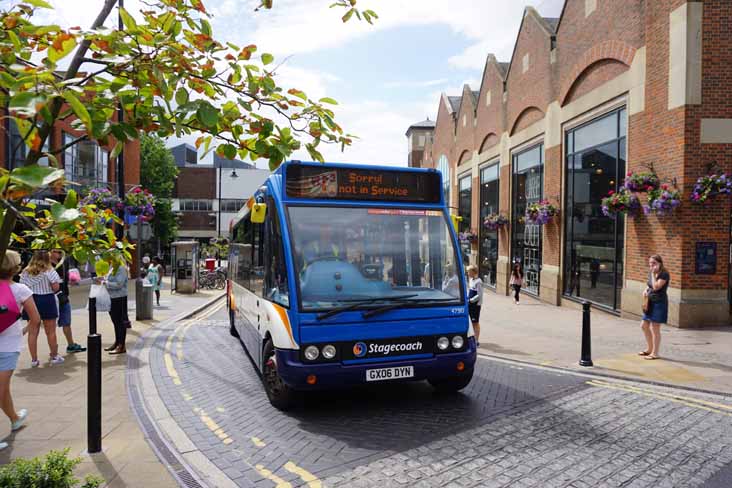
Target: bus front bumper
point(333, 375)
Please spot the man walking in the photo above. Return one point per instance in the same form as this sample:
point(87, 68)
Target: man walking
point(64, 305)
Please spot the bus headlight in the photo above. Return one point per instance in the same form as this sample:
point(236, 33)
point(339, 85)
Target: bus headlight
point(329, 351)
point(457, 342)
point(443, 343)
point(311, 353)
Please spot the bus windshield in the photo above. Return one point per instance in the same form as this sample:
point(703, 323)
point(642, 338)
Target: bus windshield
point(344, 255)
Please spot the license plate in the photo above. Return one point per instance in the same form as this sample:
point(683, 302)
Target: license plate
point(383, 374)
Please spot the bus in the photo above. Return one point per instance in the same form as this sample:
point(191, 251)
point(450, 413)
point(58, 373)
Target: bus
point(344, 274)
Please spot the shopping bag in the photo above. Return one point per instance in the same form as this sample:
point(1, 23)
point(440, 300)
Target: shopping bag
point(74, 276)
point(104, 302)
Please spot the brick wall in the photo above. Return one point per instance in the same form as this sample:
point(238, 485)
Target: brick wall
point(196, 183)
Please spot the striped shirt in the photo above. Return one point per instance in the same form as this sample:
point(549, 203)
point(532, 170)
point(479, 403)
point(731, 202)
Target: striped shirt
point(40, 284)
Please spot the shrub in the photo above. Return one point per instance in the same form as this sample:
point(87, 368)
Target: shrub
point(55, 470)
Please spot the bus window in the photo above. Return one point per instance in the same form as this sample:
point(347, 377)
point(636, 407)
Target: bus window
point(346, 254)
point(275, 279)
point(242, 240)
point(256, 279)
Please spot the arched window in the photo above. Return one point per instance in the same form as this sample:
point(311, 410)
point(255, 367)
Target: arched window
point(444, 167)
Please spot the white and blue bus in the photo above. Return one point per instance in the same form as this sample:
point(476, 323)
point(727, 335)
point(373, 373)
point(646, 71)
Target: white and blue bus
point(349, 274)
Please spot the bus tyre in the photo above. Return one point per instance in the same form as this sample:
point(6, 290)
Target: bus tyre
point(452, 384)
point(281, 396)
point(232, 329)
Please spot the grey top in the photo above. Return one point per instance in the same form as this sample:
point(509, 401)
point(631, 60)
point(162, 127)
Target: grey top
point(117, 283)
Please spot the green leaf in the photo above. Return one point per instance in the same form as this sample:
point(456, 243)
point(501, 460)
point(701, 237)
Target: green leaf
point(127, 19)
point(205, 27)
point(181, 96)
point(207, 115)
point(35, 176)
point(117, 149)
point(267, 58)
point(328, 100)
point(38, 3)
point(101, 267)
point(348, 15)
point(68, 45)
point(79, 109)
point(62, 214)
point(71, 200)
point(26, 103)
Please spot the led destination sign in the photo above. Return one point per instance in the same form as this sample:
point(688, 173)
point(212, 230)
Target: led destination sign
point(362, 184)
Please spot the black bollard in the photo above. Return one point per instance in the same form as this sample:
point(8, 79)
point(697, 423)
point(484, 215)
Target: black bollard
point(586, 356)
point(94, 383)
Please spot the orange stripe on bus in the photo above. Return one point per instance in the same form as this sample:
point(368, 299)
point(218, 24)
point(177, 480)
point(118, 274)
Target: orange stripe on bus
point(285, 320)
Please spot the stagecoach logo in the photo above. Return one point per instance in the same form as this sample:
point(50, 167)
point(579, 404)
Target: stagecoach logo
point(359, 349)
point(387, 348)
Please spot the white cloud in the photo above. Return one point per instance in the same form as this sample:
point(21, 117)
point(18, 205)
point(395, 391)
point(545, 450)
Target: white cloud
point(415, 83)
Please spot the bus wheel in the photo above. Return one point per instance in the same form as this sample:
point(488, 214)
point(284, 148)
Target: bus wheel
point(280, 395)
point(232, 329)
point(451, 384)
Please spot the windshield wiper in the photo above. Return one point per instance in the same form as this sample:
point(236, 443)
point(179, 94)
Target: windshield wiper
point(392, 306)
point(360, 303)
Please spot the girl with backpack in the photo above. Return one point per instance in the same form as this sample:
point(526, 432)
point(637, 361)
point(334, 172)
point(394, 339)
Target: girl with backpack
point(13, 298)
point(45, 282)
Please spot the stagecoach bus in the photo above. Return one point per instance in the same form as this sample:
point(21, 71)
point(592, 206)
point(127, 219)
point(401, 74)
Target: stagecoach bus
point(348, 274)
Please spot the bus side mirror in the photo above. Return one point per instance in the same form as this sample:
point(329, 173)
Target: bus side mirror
point(259, 210)
point(455, 221)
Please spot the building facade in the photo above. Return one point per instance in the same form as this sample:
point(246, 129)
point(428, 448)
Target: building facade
point(418, 136)
point(207, 197)
point(606, 89)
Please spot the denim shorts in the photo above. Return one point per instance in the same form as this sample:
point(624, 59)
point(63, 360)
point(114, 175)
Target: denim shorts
point(8, 360)
point(64, 315)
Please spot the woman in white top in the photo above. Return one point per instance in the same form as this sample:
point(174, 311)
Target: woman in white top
point(475, 299)
point(44, 281)
point(11, 338)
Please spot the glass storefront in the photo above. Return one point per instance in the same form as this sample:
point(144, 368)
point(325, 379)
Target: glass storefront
point(528, 187)
point(488, 255)
point(593, 255)
point(444, 167)
point(465, 202)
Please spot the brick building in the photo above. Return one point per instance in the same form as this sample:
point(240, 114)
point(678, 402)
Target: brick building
point(85, 163)
point(207, 196)
point(609, 87)
point(418, 136)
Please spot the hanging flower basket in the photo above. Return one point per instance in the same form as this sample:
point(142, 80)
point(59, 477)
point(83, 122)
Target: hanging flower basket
point(662, 201)
point(495, 221)
point(140, 202)
point(620, 202)
point(710, 186)
point(103, 198)
point(468, 236)
point(541, 213)
point(642, 182)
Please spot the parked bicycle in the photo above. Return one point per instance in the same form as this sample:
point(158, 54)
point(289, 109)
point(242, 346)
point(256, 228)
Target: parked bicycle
point(212, 279)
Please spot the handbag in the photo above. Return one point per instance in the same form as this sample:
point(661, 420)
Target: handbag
point(646, 307)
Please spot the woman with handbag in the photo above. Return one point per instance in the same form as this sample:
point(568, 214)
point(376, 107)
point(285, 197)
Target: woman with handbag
point(655, 306)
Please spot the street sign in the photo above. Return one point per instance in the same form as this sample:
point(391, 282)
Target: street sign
point(146, 232)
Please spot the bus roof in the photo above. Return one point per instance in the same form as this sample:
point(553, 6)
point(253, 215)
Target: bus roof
point(424, 183)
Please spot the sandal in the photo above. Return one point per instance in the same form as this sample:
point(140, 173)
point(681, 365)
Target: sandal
point(650, 357)
point(644, 353)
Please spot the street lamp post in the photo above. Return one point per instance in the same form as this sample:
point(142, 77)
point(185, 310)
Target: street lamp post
point(221, 183)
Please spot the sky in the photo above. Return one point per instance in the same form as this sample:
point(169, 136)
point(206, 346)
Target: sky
point(385, 77)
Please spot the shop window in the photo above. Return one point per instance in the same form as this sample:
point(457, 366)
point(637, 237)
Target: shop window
point(593, 254)
point(86, 163)
point(488, 248)
point(465, 197)
point(444, 168)
point(528, 187)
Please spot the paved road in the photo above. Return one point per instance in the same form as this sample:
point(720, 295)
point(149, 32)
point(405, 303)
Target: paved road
point(513, 426)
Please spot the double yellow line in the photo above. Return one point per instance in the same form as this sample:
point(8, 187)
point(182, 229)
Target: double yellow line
point(698, 403)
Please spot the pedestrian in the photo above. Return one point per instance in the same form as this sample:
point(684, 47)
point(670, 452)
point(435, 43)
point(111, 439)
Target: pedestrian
point(655, 306)
point(13, 298)
point(64, 305)
point(155, 276)
point(116, 284)
point(450, 283)
point(475, 299)
point(44, 282)
point(145, 266)
point(517, 281)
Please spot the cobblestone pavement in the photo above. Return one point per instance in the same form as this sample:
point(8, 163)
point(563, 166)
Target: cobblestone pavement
point(513, 426)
